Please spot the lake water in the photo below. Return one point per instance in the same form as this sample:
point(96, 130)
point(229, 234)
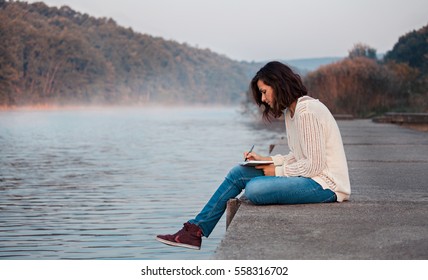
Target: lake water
point(101, 183)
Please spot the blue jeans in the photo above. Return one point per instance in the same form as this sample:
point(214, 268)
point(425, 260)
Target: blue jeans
point(260, 190)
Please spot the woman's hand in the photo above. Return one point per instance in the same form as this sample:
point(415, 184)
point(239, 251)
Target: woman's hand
point(268, 170)
point(254, 156)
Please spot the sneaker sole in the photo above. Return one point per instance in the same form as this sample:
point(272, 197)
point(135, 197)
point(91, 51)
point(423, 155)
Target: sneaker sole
point(175, 244)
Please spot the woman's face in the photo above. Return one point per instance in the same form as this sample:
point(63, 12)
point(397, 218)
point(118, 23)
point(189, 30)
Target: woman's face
point(268, 96)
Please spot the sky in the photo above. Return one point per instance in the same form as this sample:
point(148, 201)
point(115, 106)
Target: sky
point(266, 29)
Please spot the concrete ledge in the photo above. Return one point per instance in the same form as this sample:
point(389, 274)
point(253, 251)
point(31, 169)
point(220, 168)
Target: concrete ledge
point(349, 230)
point(231, 209)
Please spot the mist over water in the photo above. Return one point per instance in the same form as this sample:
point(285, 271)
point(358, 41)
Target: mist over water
point(101, 183)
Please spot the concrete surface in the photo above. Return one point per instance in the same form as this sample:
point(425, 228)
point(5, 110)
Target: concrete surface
point(386, 218)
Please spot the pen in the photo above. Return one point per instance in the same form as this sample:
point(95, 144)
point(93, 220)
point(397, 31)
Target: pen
point(249, 152)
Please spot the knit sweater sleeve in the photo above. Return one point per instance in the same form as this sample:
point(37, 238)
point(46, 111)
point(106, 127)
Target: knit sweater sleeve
point(312, 156)
point(280, 160)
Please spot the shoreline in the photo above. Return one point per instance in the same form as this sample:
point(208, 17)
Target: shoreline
point(51, 107)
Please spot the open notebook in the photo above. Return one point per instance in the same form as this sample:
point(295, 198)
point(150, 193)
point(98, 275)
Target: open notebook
point(256, 162)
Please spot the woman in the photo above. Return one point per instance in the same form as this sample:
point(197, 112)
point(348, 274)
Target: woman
point(315, 170)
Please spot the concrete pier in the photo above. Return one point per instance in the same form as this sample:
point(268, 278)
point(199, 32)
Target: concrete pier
point(386, 218)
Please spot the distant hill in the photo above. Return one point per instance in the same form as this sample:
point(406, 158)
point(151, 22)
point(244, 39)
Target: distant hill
point(302, 66)
point(310, 64)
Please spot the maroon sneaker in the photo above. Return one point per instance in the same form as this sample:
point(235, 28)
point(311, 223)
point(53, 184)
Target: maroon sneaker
point(190, 236)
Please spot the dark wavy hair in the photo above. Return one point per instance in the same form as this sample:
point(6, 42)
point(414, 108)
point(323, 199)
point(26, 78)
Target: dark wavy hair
point(287, 88)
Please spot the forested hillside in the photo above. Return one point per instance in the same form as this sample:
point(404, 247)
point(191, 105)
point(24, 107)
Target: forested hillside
point(56, 56)
point(52, 55)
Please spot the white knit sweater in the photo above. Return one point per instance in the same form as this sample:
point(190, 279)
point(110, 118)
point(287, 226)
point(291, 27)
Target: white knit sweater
point(316, 148)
